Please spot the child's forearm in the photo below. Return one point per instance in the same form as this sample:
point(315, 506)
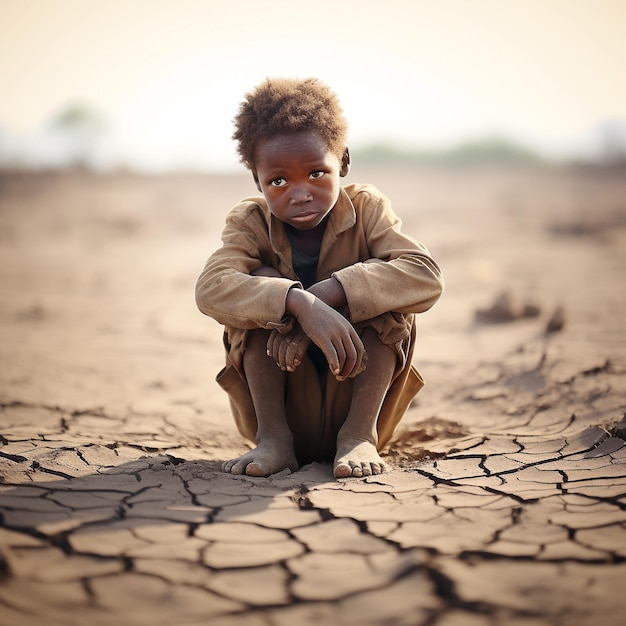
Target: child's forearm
point(330, 292)
point(297, 301)
point(329, 330)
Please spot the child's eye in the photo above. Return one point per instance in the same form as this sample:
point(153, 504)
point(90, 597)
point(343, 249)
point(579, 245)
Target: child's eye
point(278, 182)
point(317, 174)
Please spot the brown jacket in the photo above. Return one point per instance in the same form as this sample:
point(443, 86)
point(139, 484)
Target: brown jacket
point(383, 271)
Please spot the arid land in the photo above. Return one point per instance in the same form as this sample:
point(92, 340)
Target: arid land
point(507, 498)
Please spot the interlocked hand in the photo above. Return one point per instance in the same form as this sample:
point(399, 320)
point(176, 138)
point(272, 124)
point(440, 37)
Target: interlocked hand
point(288, 349)
point(324, 326)
point(334, 335)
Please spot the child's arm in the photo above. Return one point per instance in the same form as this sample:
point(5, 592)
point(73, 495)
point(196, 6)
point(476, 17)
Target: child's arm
point(329, 330)
point(400, 275)
point(288, 349)
point(329, 291)
point(228, 289)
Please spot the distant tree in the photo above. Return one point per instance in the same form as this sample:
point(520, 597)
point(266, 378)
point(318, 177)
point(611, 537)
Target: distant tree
point(383, 152)
point(490, 151)
point(80, 126)
point(485, 151)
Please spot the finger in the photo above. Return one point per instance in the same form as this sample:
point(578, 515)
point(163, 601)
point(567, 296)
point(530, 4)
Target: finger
point(354, 356)
point(360, 369)
point(342, 355)
point(282, 352)
point(301, 345)
point(277, 350)
point(287, 350)
point(290, 355)
point(348, 361)
point(331, 357)
point(273, 343)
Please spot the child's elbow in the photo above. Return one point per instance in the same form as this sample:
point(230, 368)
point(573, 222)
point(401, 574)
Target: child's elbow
point(202, 296)
point(433, 293)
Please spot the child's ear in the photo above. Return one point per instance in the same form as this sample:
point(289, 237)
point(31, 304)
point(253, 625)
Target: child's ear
point(256, 181)
point(345, 163)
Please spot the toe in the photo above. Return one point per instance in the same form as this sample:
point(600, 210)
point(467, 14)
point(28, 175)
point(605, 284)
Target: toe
point(239, 467)
point(342, 470)
point(256, 469)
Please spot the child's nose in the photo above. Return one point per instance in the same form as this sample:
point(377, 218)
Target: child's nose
point(300, 195)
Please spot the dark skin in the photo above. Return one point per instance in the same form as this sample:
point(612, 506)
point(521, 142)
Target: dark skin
point(299, 177)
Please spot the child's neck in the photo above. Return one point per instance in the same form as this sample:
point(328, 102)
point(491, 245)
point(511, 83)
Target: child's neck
point(308, 241)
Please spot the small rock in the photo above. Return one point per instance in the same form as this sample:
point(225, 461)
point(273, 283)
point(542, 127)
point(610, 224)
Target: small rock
point(530, 310)
point(557, 321)
point(500, 311)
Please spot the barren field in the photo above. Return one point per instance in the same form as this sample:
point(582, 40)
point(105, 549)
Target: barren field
point(507, 501)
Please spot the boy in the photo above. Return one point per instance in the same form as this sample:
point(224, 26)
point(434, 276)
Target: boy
point(317, 289)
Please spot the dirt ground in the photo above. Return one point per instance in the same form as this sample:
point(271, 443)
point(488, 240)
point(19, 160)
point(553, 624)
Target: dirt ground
point(507, 501)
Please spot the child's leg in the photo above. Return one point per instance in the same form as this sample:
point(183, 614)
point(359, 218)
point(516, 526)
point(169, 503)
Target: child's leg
point(357, 439)
point(274, 451)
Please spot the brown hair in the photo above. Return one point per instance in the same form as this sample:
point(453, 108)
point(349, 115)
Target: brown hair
point(282, 106)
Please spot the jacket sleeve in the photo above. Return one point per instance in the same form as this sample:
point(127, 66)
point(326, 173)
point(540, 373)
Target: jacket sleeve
point(225, 289)
point(400, 276)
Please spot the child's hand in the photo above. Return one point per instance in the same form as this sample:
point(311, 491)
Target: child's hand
point(329, 330)
point(288, 349)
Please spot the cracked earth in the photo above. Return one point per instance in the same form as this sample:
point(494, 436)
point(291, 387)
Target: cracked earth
point(507, 498)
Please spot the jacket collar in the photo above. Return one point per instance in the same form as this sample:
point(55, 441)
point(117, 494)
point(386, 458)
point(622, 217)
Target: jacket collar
point(341, 218)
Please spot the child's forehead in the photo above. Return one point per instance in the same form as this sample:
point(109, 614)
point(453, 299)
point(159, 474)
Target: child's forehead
point(305, 145)
point(302, 139)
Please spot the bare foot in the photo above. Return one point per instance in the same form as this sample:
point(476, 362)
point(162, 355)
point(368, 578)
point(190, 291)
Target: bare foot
point(357, 457)
point(269, 457)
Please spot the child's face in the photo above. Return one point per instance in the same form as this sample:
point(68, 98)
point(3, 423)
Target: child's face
point(299, 177)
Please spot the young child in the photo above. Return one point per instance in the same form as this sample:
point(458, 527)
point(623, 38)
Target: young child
point(317, 288)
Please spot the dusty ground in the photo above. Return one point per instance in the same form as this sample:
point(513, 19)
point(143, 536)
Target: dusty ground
point(508, 501)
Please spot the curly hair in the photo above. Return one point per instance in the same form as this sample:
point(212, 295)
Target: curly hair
point(285, 105)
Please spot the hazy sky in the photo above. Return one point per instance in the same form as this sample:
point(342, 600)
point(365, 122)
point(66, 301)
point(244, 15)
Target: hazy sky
point(168, 74)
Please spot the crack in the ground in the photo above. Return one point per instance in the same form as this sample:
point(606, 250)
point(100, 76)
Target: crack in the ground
point(302, 500)
point(482, 459)
point(619, 430)
point(496, 547)
point(16, 458)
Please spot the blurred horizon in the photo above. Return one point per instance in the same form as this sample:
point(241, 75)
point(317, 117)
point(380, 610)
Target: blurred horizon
point(153, 85)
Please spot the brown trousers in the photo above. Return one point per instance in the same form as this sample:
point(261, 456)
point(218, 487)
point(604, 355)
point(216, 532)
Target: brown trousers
point(317, 408)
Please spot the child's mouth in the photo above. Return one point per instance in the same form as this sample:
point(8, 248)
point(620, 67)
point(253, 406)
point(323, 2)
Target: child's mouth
point(304, 218)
